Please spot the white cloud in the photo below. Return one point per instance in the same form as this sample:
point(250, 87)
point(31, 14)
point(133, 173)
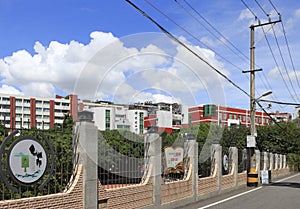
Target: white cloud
point(290, 23)
point(5, 89)
point(245, 14)
point(297, 13)
point(122, 69)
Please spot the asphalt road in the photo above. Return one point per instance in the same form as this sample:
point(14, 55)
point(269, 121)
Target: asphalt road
point(282, 194)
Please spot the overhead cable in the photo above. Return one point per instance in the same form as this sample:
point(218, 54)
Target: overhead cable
point(171, 36)
point(190, 34)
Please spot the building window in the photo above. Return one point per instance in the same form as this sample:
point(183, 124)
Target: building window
point(209, 110)
point(141, 123)
point(107, 119)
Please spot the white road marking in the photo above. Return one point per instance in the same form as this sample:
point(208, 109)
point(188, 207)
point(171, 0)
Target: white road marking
point(288, 177)
point(238, 195)
point(230, 198)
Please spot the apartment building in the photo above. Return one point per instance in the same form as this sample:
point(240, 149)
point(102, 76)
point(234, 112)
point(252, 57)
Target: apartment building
point(17, 111)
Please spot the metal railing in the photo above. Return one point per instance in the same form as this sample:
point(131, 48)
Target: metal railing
point(121, 159)
point(61, 168)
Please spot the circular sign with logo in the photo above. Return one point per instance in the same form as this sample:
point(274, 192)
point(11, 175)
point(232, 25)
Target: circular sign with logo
point(27, 160)
point(225, 162)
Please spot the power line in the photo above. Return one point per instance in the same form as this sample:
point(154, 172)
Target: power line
point(276, 63)
point(171, 36)
point(214, 28)
point(277, 102)
point(244, 57)
point(290, 55)
point(256, 18)
point(279, 46)
point(284, 64)
point(262, 9)
point(274, 7)
point(287, 44)
point(189, 33)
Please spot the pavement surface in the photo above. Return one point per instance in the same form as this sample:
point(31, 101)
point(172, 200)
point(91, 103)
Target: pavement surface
point(281, 194)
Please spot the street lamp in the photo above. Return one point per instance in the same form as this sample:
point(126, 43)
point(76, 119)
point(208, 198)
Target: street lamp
point(264, 95)
point(252, 111)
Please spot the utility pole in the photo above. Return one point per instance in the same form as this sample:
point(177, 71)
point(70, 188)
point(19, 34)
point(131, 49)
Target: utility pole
point(251, 148)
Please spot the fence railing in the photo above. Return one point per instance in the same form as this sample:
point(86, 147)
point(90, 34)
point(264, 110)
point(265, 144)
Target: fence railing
point(60, 169)
point(242, 160)
point(121, 159)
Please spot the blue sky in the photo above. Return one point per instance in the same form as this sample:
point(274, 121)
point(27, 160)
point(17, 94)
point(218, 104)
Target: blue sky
point(107, 50)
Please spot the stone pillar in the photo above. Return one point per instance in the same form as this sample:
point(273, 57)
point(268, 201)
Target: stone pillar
point(257, 158)
point(280, 161)
point(265, 161)
point(193, 155)
point(271, 161)
point(155, 160)
point(284, 161)
point(233, 153)
point(276, 161)
point(88, 157)
point(216, 152)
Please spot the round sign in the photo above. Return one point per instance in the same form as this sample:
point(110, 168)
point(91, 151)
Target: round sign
point(27, 160)
point(225, 162)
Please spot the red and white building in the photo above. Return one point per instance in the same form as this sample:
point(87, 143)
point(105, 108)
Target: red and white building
point(167, 117)
point(281, 117)
point(225, 116)
point(17, 111)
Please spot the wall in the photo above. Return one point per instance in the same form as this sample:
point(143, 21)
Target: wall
point(70, 199)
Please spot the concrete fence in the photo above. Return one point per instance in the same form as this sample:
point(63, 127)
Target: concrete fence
point(88, 193)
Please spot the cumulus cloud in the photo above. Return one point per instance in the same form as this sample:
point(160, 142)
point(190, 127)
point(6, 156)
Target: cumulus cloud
point(55, 66)
point(120, 69)
point(245, 14)
point(5, 89)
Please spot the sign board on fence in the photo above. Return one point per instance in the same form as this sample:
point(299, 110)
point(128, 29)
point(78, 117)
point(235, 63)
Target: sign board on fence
point(264, 177)
point(173, 156)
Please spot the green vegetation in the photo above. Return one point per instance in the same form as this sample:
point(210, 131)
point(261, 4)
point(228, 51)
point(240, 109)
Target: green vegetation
point(60, 138)
point(282, 139)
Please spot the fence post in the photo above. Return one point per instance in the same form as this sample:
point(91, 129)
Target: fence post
point(88, 157)
point(271, 161)
point(265, 167)
point(276, 161)
point(233, 150)
point(257, 156)
point(155, 160)
point(217, 161)
point(280, 161)
point(284, 161)
point(193, 155)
